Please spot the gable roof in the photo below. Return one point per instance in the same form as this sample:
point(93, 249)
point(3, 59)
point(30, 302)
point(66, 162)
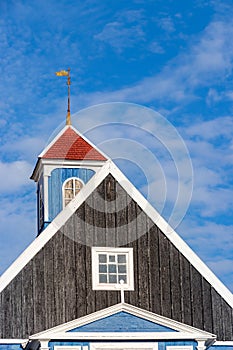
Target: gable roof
point(70, 144)
point(110, 168)
point(71, 330)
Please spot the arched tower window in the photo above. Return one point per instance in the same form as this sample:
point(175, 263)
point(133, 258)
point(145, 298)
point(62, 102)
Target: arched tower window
point(71, 187)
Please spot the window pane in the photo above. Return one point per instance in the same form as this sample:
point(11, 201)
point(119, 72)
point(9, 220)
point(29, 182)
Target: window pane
point(78, 186)
point(112, 268)
point(69, 184)
point(68, 193)
point(102, 278)
point(122, 277)
point(103, 268)
point(121, 258)
point(102, 258)
point(121, 268)
point(112, 279)
point(112, 258)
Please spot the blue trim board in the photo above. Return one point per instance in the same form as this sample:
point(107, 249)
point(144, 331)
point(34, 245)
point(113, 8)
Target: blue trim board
point(122, 322)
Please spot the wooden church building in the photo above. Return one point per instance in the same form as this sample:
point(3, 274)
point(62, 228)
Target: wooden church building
point(106, 271)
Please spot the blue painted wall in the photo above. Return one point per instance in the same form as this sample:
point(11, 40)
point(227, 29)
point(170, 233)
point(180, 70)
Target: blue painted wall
point(56, 180)
point(122, 322)
point(10, 346)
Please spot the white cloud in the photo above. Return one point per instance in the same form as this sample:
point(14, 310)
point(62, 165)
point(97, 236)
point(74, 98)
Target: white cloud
point(24, 147)
point(17, 226)
point(208, 60)
point(166, 24)
point(119, 36)
point(212, 129)
point(14, 175)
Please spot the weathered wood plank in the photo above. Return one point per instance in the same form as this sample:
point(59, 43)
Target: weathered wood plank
point(110, 211)
point(27, 301)
point(49, 285)
point(7, 311)
point(217, 314)
point(70, 270)
point(196, 298)
point(99, 216)
point(131, 213)
point(227, 320)
point(59, 278)
point(154, 271)
point(16, 290)
point(185, 291)
point(175, 283)
point(87, 227)
point(207, 307)
point(39, 292)
point(165, 280)
point(80, 254)
point(122, 221)
point(143, 262)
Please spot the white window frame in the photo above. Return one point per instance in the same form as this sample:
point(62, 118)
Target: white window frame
point(41, 207)
point(95, 268)
point(123, 346)
point(63, 188)
point(179, 347)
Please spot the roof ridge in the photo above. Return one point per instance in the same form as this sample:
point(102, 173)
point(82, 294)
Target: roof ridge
point(79, 148)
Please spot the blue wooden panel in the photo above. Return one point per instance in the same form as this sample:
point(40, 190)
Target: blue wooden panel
point(10, 347)
point(122, 322)
point(164, 344)
point(56, 180)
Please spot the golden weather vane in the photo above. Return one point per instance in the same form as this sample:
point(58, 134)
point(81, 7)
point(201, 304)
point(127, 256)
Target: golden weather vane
point(66, 73)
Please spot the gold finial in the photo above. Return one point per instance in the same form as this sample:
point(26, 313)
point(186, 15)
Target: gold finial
point(66, 73)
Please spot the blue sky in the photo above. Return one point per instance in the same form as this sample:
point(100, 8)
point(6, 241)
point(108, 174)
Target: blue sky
point(175, 58)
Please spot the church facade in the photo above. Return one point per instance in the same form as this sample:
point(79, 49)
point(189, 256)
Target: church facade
point(106, 271)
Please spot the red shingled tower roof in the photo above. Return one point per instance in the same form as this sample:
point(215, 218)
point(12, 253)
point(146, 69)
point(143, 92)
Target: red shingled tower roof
point(70, 145)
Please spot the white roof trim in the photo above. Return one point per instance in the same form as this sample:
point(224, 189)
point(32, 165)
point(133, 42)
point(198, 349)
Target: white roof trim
point(78, 133)
point(122, 336)
point(223, 343)
point(181, 331)
point(110, 168)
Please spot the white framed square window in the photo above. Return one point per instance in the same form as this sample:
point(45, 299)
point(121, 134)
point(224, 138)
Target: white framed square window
point(110, 266)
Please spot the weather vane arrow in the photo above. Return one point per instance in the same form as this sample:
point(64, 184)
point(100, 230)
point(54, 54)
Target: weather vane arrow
point(66, 73)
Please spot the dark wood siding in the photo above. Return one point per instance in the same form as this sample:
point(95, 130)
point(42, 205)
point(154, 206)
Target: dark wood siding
point(56, 285)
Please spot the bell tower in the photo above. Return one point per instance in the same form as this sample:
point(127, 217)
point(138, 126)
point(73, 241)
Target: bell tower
point(63, 168)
